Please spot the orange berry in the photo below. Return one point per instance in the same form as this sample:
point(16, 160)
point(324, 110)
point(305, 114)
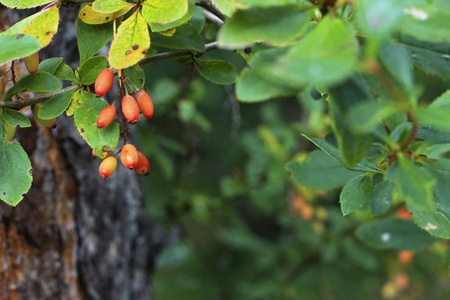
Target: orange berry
point(405, 257)
point(104, 82)
point(32, 63)
point(403, 213)
point(130, 109)
point(51, 123)
point(401, 282)
point(129, 156)
point(106, 116)
point(145, 103)
point(107, 166)
point(142, 166)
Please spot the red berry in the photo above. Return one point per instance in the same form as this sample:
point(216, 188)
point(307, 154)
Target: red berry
point(145, 103)
point(32, 63)
point(107, 166)
point(106, 116)
point(129, 156)
point(142, 166)
point(405, 257)
point(130, 109)
point(104, 82)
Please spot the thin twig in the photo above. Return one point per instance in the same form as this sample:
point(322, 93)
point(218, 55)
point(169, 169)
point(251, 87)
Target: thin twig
point(207, 4)
point(157, 57)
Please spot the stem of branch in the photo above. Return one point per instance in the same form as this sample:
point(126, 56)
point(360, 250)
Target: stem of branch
point(157, 57)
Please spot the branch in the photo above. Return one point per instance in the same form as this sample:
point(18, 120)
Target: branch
point(157, 57)
point(207, 4)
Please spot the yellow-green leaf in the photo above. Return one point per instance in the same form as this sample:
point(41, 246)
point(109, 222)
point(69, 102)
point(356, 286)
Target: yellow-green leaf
point(163, 11)
point(110, 6)
point(90, 16)
point(131, 43)
point(24, 4)
point(44, 27)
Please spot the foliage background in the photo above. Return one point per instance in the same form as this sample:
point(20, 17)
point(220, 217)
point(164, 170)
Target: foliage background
point(242, 229)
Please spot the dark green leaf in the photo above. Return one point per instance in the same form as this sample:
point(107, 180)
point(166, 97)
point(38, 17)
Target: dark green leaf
point(396, 61)
point(399, 234)
point(37, 82)
point(382, 197)
point(320, 171)
point(92, 38)
point(136, 76)
point(56, 105)
point(217, 71)
point(362, 166)
point(65, 72)
point(15, 172)
point(50, 65)
point(14, 118)
point(185, 37)
point(90, 69)
point(355, 194)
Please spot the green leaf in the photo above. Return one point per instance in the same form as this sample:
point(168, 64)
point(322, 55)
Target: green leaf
point(415, 185)
point(436, 113)
point(429, 23)
point(198, 19)
point(21, 4)
point(131, 43)
point(382, 197)
point(162, 11)
point(18, 46)
point(362, 166)
point(217, 71)
point(50, 65)
point(15, 172)
point(399, 234)
point(65, 72)
point(136, 76)
point(252, 87)
point(37, 82)
point(90, 69)
point(396, 61)
point(355, 194)
point(92, 38)
point(185, 37)
point(86, 110)
point(14, 118)
point(352, 146)
point(379, 18)
point(432, 58)
point(275, 25)
point(56, 105)
point(157, 27)
point(110, 6)
point(435, 223)
point(365, 116)
point(320, 171)
point(325, 56)
point(227, 7)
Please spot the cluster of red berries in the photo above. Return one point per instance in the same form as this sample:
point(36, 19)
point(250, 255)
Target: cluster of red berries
point(132, 106)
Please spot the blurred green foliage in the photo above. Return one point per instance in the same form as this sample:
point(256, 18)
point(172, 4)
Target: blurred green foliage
point(242, 228)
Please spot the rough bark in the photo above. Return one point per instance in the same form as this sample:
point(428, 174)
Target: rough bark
point(74, 235)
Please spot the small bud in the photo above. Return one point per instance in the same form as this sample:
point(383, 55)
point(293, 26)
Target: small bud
point(51, 123)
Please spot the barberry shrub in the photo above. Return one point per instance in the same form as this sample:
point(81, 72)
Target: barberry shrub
point(387, 144)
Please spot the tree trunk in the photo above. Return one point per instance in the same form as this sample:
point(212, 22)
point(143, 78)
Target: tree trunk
point(74, 235)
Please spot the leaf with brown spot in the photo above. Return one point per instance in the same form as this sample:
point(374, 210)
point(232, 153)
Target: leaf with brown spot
point(90, 16)
point(44, 27)
point(132, 34)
